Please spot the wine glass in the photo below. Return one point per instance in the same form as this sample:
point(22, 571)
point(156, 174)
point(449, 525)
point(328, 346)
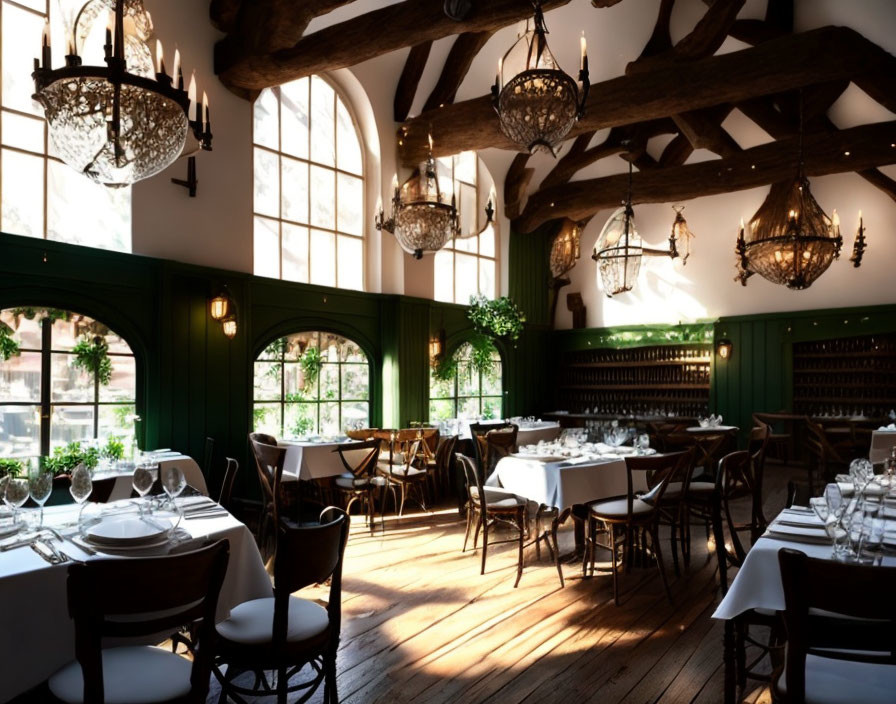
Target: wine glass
point(82, 485)
point(40, 486)
point(643, 443)
point(16, 494)
point(173, 481)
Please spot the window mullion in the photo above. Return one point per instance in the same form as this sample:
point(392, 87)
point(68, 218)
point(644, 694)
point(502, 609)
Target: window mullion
point(46, 332)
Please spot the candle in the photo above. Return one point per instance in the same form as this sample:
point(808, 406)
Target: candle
point(584, 51)
point(160, 57)
point(429, 136)
point(498, 75)
point(395, 184)
point(205, 109)
point(177, 73)
point(379, 206)
point(45, 45)
point(45, 37)
point(191, 93)
point(110, 25)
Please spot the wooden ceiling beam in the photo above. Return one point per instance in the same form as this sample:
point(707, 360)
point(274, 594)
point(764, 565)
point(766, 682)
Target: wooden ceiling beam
point(359, 39)
point(676, 152)
point(461, 56)
point(223, 14)
point(775, 66)
point(409, 80)
point(879, 179)
point(703, 129)
point(825, 153)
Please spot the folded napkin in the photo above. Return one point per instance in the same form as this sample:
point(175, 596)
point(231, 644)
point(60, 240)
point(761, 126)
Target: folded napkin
point(891, 427)
point(585, 459)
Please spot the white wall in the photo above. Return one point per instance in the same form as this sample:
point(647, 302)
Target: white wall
point(215, 228)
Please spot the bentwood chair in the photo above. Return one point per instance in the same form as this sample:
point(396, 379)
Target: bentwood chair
point(360, 482)
point(735, 492)
point(494, 444)
point(673, 506)
point(402, 467)
point(269, 459)
point(633, 517)
point(441, 464)
point(840, 620)
point(227, 485)
point(284, 633)
point(361, 433)
point(133, 599)
point(208, 457)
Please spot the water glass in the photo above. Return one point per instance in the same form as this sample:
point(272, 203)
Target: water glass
point(16, 494)
point(40, 486)
point(82, 484)
point(643, 442)
point(173, 481)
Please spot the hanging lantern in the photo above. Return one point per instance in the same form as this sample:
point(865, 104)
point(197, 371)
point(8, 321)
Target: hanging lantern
point(565, 248)
point(681, 234)
point(220, 306)
point(539, 104)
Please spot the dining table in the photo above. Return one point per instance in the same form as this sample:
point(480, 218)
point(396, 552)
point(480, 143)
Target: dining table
point(124, 474)
point(882, 443)
point(316, 459)
point(38, 634)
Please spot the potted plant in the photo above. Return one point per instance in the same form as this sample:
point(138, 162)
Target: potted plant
point(499, 318)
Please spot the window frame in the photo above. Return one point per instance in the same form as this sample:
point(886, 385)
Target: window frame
point(339, 96)
point(457, 398)
point(318, 401)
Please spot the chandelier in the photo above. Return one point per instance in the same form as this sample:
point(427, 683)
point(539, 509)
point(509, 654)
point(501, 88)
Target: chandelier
point(540, 104)
point(125, 121)
point(422, 221)
point(619, 249)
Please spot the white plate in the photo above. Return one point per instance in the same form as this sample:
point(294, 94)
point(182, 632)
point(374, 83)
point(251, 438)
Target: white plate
point(128, 530)
point(715, 429)
point(120, 549)
point(540, 458)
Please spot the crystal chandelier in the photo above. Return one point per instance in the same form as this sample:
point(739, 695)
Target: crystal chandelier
point(790, 240)
point(619, 249)
point(422, 221)
point(125, 121)
point(540, 104)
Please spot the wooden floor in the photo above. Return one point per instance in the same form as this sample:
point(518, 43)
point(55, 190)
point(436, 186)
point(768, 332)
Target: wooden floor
point(420, 624)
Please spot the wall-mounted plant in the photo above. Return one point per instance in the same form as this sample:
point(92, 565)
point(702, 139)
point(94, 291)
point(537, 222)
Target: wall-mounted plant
point(92, 355)
point(9, 346)
point(499, 318)
point(311, 364)
point(11, 467)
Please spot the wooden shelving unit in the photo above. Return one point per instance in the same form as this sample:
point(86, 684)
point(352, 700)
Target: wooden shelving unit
point(645, 382)
point(850, 376)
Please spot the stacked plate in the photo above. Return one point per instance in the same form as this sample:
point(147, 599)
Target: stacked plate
point(128, 532)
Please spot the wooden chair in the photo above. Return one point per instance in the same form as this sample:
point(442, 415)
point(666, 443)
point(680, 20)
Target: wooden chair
point(782, 431)
point(823, 456)
point(840, 620)
point(227, 485)
point(360, 482)
point(208, 457)
point(673, 506)
point(480, 430)
point(760, 437)
point(486, 507)
point(494, 445)
point(286, 632)
point(135, 598)
point(402, 468)
point(269, 461)
point(361, 434)
point(442, 463)
point(634, 516)
point(736, 482)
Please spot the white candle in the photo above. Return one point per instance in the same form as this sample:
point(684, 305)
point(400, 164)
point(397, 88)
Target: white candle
point(498, 75)
point(191, 93)
point(176, 72)
point(160, 57)
point(584, 51)
point(205, 110)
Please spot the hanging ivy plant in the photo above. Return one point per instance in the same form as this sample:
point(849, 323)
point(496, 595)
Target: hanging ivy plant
point(9, 347)
point(92, 355)
point(499, 318)
point(445, 368)
point(311, 363)
point(482, 359)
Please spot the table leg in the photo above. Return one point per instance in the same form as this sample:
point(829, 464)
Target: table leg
point(728, 659)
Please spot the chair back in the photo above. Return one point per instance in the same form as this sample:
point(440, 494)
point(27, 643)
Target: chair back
point(366, 465)
point(309, 554)
point(208, 456)
point(823, 600)
point(141, 596)
point(361, 433)
point(445, 453)
point(735, 480)
point(227, 485)
point(661, 469)
point(819, 446)
point(430, 444)
point(269, 461)
point(494, 445)
point(479, 430)
point(474, 479)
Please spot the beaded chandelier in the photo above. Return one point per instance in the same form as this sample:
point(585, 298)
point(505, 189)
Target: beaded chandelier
point(539, 104)
point(125, 121)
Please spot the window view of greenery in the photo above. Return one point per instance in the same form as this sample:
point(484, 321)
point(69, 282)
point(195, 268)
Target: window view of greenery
point(466, 266)
point(311, 383)
point(468, 384)
point(75, 209)
point(309, 186)
point(88, 394)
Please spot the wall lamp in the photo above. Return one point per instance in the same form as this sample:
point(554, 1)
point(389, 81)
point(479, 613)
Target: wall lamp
point(724, 347)
point(222, 308)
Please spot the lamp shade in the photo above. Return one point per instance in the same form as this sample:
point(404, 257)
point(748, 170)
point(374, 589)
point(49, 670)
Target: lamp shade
point(220, 307)
point(229, 327)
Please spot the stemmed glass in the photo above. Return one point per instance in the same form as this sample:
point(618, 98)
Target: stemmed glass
point(16, 494)
point(82, 484)
point(173, 481)
point(145, 474)
point(40, 485)
point(643, 443)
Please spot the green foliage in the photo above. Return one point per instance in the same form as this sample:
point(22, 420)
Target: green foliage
point(303, 426)
point(499, 318)
point(11, 467)
point(114, 449)
point(9, 347)
point(275, 350)
point(67, 457)
point(445, 368)
point(92, 355)
point(259, 416)
point(311, 363)
point(482, 354)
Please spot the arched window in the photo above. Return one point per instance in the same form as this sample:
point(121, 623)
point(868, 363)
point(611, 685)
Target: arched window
point(39, 195)
point(467, 384)
point(466, 266)
point(63, 377)
point(311, 383)
point(309, 186)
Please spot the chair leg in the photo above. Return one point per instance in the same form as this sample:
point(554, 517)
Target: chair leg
point(331, 695)
point(673, 529)
point(740, 654)
point(282, 684)
point(479, 523)
point(555, 523)
point(658, 554)
point(613, 558)
point(588, 551)
point(730, 686)
point(685, 536)
point(467, 532)
point(484, 540)
point(521, 518)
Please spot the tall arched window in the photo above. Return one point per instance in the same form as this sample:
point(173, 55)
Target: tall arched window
point(467, 384)
point(39, 195)
point(466, 266)
point(309, 186)
point(311, 383)
point(50, 394)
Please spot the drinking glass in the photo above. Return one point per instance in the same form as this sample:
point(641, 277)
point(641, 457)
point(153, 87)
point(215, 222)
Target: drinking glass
point(16, 494)
point(40, 486)
point(82, 484)
point(643, 442)
point(173, 481)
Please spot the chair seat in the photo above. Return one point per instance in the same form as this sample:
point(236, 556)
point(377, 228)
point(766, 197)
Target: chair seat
point(495, 497)
point(618, 508)
point(131, 675)
point(701, 488)
point(831, 681)
point(351, 482)
point(252, 622)
point(399, 470)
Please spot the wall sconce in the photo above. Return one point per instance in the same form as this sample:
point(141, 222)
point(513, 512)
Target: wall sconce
point(228, 325)
point(724, 348)
point(437, 346)
point(221, 306)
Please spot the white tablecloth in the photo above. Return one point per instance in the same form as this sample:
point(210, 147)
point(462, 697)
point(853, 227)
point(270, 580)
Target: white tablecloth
point(536, 432)
point(881, 442)
point(123, 483)
point(314, 460)
point(560, 484)
point(758, 583)
point(36, 633)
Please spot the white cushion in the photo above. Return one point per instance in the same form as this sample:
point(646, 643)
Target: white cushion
point(497, 497)
point(252, 622)
point(350, 481)
point(618, 508)
point(701, 488)
point(131, 675)
point(399, 470)
point(397, 457)
point(830, 681)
